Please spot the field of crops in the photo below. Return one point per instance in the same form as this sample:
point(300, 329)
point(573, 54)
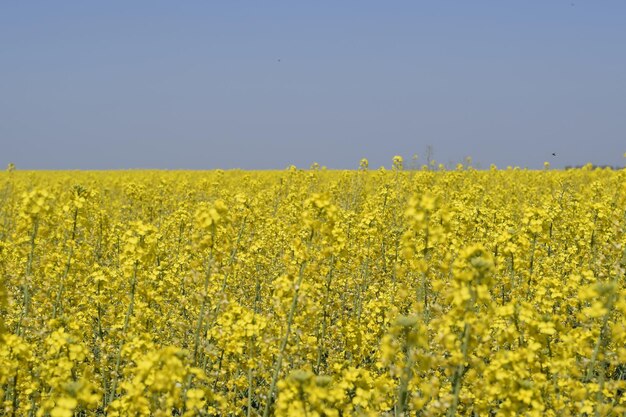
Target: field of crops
point(313, 293)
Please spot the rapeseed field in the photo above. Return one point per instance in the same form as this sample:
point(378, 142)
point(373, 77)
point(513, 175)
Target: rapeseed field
point(313, 293)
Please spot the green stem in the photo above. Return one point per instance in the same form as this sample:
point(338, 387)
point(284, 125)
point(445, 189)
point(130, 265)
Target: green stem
point(322, 334)
point(283, 345)
point(57, 303)
point(458, 373)
point(14, 403)
point(205, 300)
point(25, 287)
point(250, 381)
point(601, 341)
point(129, 313)
point(407, 374)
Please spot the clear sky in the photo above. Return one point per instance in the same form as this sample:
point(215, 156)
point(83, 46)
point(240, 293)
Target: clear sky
point(264, 84)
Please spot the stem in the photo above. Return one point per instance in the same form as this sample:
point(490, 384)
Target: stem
point(532, 265)
point(57, 303)
point(407, 374)
point(129, 313)
point(14, 403)
point(326, 302)
point(600, 342)
point(29, 269)
point(550, 240)
point(283, 345)
point(458, 373)
point(250, 382)
point(512, 274)
point(426, 255)
point(233, 257)
point(202, 308)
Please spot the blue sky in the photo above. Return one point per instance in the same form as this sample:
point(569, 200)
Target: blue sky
point(265, 84)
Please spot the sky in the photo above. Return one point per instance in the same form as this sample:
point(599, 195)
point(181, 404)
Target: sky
point(266, 84)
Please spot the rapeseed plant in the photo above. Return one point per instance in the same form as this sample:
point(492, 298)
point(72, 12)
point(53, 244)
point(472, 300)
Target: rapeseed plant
point(314, 292)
